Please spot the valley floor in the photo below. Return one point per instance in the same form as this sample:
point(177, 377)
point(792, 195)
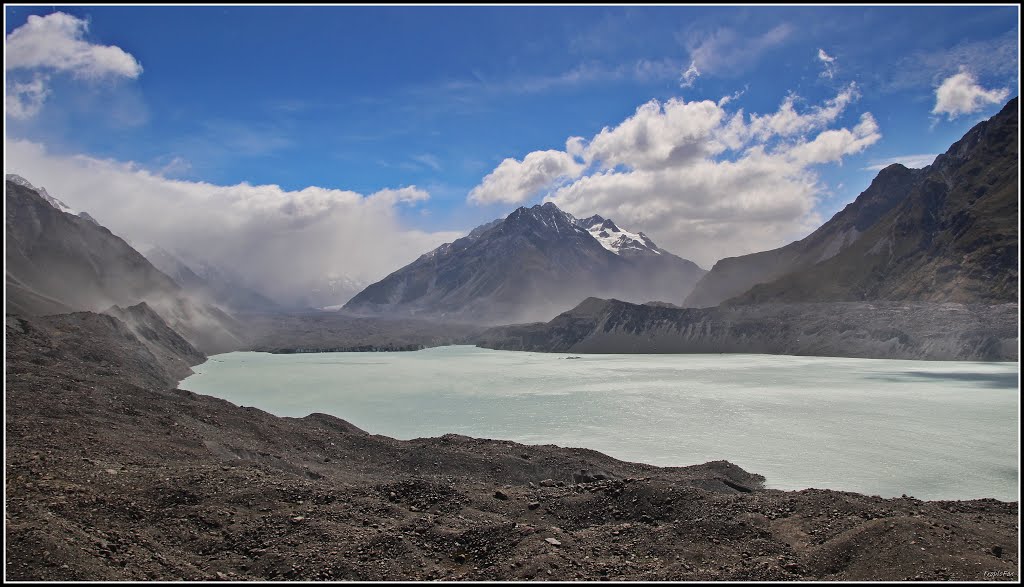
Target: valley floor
point(111, 475)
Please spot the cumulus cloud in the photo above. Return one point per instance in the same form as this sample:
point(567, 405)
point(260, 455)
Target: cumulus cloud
point(828, 63)
point(280, 242)
point(689, 76)
point(517, 181)
point(961, 94)
point(831, 146)
point(659, 135)
point(56, 43)
point(705, 182)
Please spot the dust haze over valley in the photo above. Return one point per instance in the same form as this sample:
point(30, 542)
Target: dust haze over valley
point(721, 193)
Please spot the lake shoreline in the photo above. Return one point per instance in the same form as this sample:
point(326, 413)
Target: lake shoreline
point(113, 475)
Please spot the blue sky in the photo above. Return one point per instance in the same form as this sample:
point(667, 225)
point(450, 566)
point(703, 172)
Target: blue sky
point(368, 98)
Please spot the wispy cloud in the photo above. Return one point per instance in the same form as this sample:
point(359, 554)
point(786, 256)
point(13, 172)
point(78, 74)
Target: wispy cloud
point(25, 99)
point(429, 160)
point(689, 76)
point(727, 52)
point(995, 58)
point(828, 63)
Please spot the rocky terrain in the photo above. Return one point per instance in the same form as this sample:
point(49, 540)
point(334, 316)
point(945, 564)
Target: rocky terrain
point(945, 233)
point(112, 474)
point(529, 266)
point(882, 330)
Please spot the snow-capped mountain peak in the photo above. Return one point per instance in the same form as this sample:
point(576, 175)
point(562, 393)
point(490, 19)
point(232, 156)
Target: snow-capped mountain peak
point(15, 178)
point(617, 240)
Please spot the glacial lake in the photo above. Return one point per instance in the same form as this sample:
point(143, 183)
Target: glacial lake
point(931, 430)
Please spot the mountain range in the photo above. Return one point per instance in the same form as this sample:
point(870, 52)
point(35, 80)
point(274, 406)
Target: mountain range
point(530, 266)
point(922, 265)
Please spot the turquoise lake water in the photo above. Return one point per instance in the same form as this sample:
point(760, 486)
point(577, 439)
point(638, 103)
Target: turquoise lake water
point(932, 430)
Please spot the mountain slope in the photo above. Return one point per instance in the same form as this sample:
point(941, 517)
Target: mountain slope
point(531, 265)
point(942, 233)
point(882, 330)
point(58, 262)
point(733, 276)
point(952, 238)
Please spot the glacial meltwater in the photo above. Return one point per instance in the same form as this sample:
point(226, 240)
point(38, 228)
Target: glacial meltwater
point(932, 430)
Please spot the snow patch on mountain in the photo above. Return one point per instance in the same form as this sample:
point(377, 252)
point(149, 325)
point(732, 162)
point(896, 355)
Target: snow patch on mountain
point(616, 239)
point(15, 178)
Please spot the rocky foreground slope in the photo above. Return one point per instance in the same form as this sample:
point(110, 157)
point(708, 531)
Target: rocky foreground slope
point(114, 475)
point(880, 330)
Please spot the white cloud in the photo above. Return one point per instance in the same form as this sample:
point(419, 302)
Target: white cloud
point(828, 63)
point(961, 94)
point(659, 135)
point(56, 43)
point(831, 146)
point(911, 161)
point(788, 122)
point(689, 76)
point(707, 183)
point(280, 241)
point(517, 181)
